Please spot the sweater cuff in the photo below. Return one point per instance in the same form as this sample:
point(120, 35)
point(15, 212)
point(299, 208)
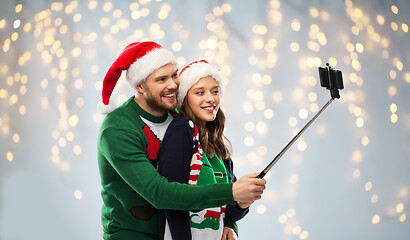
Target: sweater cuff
point(231, 224)
point(241, 209)
point(226, 190)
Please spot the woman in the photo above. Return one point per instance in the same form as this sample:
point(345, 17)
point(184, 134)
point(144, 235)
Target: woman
point(193, 151)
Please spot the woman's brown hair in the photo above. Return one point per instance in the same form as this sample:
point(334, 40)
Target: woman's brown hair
point(211, 134)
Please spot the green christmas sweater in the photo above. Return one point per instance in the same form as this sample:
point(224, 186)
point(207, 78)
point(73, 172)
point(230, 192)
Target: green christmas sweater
point(132, 189)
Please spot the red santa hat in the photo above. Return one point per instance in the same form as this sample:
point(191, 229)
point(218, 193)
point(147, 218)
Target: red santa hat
point(140, 59)
point(192, 73)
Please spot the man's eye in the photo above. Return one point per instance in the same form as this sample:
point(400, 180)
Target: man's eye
point(216, 92)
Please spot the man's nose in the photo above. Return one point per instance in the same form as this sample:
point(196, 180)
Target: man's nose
point(173, 83)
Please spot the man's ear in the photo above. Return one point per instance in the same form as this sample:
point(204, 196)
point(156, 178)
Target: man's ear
point(140, 88)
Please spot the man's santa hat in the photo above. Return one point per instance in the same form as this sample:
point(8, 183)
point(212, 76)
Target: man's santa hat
point(140, 59)
point(192, 73)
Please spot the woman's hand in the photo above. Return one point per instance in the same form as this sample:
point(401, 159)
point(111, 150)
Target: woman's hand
point(244, 205)
point(229, 234)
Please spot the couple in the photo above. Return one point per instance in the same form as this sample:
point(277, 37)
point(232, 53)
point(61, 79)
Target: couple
point(195, 164)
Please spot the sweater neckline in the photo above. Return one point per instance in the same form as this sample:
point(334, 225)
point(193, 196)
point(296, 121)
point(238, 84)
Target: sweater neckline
point(146, 114)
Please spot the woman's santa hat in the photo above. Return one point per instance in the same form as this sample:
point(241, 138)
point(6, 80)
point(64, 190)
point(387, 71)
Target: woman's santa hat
point(192, 73)
point(140, 59)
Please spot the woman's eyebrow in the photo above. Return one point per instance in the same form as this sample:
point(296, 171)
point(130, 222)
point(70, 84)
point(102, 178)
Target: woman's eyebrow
point(197, 88)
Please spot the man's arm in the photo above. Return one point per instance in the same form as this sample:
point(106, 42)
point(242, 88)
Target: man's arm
point(124, 151)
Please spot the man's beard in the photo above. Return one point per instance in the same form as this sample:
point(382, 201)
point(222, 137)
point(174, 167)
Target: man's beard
point(155, 103)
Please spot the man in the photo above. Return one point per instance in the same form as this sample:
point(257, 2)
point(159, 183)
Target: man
point(128, 146)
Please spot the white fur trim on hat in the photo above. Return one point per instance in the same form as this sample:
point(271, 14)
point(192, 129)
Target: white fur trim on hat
point(151, 61)
point(105, 109)
point(193, 73)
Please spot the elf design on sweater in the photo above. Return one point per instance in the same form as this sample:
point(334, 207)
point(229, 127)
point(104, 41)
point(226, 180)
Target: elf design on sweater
point(182, 160)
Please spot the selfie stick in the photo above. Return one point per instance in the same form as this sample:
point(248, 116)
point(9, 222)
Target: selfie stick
point(332, 80)
point(273, 162)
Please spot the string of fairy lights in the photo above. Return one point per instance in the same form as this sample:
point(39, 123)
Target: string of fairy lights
point(361, 27)
point(63, 50)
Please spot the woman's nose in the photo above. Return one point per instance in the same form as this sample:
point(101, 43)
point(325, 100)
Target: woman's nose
point(210, 98)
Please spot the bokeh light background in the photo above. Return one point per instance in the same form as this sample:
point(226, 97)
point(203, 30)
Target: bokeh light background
point(347, 177)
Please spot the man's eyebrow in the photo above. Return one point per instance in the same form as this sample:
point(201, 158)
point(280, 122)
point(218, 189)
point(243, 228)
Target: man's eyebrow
point(161, 76)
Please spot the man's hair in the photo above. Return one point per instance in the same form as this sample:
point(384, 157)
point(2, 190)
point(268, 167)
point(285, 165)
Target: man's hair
point(211, 134)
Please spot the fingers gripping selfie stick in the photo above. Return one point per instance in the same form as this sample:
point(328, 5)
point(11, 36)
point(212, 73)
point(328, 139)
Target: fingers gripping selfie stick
point(332, 80)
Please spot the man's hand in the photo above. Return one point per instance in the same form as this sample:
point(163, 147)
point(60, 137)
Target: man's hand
point(248, 188)
point(229, 234)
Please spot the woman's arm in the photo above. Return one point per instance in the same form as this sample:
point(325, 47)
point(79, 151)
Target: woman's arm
point(176, 151)
point(174, 163)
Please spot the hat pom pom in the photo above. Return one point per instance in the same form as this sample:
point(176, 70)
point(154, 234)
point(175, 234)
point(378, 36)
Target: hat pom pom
point(105, 109)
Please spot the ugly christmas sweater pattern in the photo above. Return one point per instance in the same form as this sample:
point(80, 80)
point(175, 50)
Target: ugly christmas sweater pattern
point(132, 189)
point(182, 160)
